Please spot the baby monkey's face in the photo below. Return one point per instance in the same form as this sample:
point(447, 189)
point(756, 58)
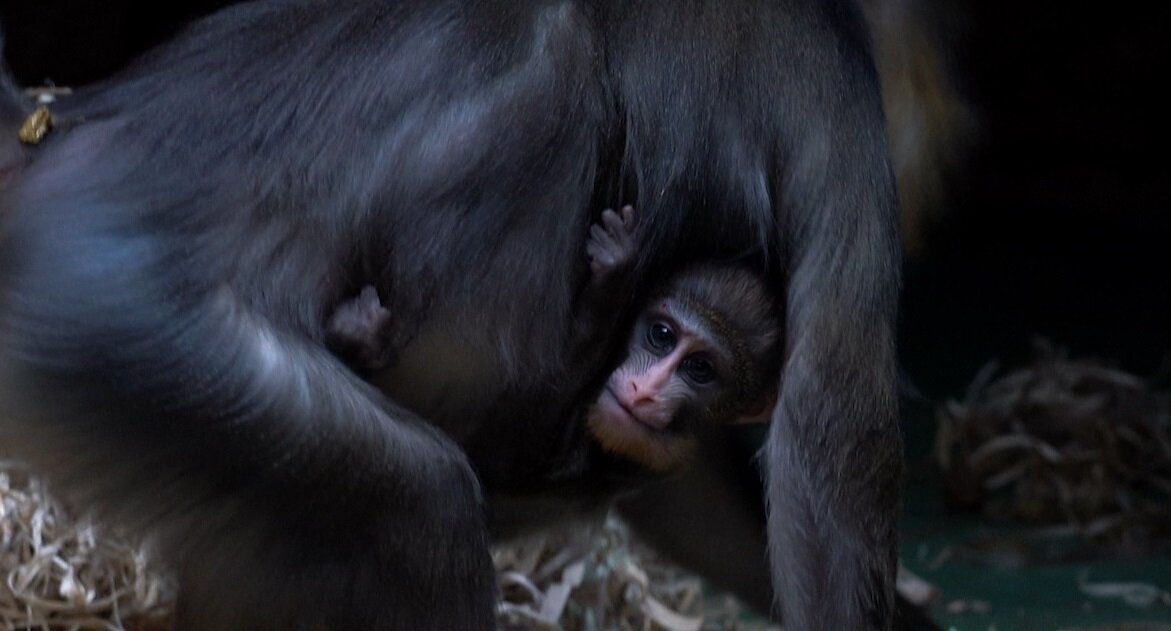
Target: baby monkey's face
point(679, 374)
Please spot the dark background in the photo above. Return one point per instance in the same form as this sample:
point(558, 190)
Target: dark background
point(73, 42)
point(1058, 224)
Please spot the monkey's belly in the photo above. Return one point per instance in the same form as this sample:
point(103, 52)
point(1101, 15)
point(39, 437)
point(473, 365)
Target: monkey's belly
point(444, 379)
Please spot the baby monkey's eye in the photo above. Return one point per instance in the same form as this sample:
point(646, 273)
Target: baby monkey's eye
point(660, 337)
point(699, 370)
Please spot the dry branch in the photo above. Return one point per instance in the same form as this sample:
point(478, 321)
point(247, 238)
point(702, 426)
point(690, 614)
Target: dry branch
point(1062, 441)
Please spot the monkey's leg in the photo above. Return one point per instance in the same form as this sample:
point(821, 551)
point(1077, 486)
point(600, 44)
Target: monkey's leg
point(833, 458)
point(731, 552)
point(289, 494)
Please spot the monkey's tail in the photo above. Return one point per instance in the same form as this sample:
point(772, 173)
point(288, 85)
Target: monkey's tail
point(930, 123)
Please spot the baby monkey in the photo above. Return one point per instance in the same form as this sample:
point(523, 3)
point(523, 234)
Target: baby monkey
point(703, 351)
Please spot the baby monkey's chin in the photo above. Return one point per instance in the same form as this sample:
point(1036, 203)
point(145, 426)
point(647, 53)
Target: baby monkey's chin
point(621, 433)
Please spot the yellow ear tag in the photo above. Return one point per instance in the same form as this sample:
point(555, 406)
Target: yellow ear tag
point(34, 128)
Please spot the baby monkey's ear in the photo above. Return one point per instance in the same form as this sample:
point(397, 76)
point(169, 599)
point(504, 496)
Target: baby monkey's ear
point(761, 411)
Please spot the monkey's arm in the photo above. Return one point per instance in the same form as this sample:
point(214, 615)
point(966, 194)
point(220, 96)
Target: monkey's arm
point(602, 305)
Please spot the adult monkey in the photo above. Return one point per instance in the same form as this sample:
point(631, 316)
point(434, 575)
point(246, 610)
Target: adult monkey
point(168, 261)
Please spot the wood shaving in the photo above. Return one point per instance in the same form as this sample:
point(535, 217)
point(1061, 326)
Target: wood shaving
point(599, 578)
point(914, 588)
point(1133, 593)
point(62, 572)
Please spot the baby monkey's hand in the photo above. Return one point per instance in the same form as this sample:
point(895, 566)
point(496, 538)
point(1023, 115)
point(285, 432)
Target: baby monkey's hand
point(611, 244)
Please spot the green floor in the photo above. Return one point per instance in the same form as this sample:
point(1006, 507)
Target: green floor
point(1022, 582)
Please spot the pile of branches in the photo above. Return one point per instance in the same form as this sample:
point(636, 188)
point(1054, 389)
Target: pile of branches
point(1062, 442)
point(59, 571)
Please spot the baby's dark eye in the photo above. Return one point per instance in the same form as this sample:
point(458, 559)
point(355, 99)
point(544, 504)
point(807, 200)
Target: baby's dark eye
point(698, 370)
point(660, 337)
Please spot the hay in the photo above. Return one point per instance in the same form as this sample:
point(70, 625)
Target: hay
point(64, 573)
point(1064, 442)
point(600, 579)
point(61, 572)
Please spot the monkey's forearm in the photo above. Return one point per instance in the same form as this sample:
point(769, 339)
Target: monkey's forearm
point(602, 311)
point(602, 306)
